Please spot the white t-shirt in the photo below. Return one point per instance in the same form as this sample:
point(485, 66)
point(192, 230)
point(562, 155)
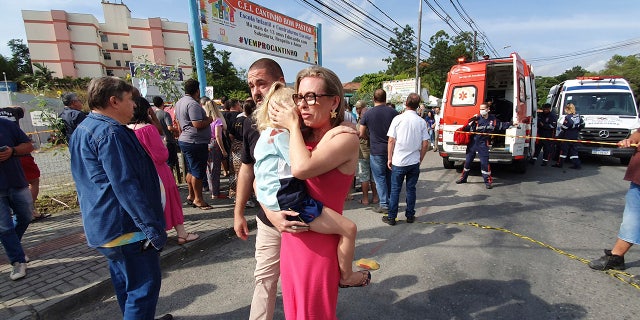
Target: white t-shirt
point(409, 130)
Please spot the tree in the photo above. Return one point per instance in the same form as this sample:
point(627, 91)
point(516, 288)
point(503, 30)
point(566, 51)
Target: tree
point(221, 74)
point(20, 56)
point(369, 83)
point(403, 48)
point(9, 68)
point(627, 67)
point(42, 73)
point(572, 73)
point(439, 62)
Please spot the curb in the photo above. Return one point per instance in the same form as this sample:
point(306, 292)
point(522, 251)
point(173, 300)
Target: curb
point(77, 300)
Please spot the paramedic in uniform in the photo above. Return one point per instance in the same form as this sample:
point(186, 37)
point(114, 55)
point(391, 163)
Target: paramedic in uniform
point(484, 123)
point(570, 130)
point(547, 123)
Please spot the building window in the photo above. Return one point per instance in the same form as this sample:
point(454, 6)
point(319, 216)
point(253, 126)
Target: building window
point(115, 46)
point(126, 63)
point(110, 73)
point(104, 37)
point(125, 46)
point(118, 63)
point(107, 56)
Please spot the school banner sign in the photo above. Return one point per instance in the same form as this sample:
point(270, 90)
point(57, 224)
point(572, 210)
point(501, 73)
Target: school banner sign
point(246, 25)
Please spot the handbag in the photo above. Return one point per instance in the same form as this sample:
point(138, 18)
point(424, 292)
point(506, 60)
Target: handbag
point(461, 136)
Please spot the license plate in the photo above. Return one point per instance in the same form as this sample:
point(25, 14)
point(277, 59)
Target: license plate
point(601, 152)
point(458, 147)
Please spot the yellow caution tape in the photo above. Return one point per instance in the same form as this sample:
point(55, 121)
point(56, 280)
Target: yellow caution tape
point(620, 275)
point(539, 138)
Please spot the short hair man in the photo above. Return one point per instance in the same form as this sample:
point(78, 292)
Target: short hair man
point(408, 143)
point(378, 120)
point(194, 140)
point(72, 113)
point(14, 195)
point(262, 73)
point(119, 195)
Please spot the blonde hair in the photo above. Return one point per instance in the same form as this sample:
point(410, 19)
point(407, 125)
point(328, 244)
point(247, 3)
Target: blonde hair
point(278, 93)
point(213, 111)
point(570, 108)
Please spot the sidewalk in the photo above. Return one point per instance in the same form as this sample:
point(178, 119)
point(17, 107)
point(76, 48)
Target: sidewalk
point(64, 273)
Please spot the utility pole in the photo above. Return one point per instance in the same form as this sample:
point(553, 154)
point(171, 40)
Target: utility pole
point(475, 46)
point(6, 87)
point(418, 52)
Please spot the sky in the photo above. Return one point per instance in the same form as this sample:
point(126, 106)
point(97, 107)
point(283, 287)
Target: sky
point(585, 33)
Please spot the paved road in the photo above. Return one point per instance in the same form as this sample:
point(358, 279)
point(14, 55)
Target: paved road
point(445, 266)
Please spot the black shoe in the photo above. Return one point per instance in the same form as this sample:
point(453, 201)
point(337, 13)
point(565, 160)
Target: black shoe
point(488, 186)
point(556, 165)
point(544, 164)
point(608, 261)
point(411, 219)
point(380, 210)
point(459, 181)
point(167, 316)
point(391, 222)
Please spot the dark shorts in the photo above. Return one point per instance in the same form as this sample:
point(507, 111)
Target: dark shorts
point(308, 210)
point(31, 170)
point(196, 155)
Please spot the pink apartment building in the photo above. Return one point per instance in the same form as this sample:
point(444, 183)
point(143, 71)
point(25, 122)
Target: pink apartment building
point(77, 45)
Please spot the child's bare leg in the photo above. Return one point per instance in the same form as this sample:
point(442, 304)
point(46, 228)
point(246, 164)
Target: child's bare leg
point(330, 222)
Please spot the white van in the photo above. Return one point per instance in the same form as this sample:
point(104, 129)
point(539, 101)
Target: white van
point(609, 110)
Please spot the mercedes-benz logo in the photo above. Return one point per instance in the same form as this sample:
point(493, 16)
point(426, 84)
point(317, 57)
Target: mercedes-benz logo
point(603, 134)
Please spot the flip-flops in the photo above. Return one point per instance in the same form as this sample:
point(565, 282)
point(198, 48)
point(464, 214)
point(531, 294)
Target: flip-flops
point(183, 240)
point(41, 217)
point(205, 206)
point(366, 279)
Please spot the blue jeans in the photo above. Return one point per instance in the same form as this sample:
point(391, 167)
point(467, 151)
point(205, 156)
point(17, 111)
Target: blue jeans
point(382, 177)
point(630, 226)
point(398, 175)
point(136, 278)
point(20, 202)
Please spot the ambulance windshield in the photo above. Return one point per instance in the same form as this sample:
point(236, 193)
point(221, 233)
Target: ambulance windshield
point(606, 103)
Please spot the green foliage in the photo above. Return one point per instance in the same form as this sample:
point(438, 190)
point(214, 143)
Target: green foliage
point(238, 95)
point(221, 74)
point(48, 115)
point(372, 81)
point(161, 76)
point(9, 68)
point(627, 67)
point(403, 49)
point(20, 56)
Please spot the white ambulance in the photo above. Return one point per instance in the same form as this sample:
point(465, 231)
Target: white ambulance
point(609, 110)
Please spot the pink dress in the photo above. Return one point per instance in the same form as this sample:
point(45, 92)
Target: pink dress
point(309, 269)
point(151, 141)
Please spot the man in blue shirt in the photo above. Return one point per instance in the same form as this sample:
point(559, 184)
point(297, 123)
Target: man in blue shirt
point(14, 195)
point(119, 195)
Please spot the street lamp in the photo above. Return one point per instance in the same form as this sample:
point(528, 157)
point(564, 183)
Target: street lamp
point(6, 87)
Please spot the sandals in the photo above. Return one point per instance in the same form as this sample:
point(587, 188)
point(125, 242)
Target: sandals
point(41, 217)
point(366, 279)
point(190, 237)
point(204, 206)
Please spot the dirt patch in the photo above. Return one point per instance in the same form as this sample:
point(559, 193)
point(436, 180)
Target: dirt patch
point(57, 203)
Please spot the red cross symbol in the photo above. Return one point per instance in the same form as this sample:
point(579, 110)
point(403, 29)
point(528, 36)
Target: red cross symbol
point(462, 96)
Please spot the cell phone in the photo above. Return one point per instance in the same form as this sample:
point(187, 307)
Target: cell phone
point(297, 227)
point(3, 148)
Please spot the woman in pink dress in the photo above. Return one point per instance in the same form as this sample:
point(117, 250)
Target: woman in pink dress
point(309, 268)
point(150, 139)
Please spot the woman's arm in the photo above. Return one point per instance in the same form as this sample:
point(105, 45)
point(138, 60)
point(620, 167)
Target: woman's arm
point(219, 140)
point(331, 152)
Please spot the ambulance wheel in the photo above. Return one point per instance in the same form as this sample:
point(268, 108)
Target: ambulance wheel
point(625, 161)
point(520, 166)
point(446, 163)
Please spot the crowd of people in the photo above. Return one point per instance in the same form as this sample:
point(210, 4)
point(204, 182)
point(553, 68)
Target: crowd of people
point(302, 148)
